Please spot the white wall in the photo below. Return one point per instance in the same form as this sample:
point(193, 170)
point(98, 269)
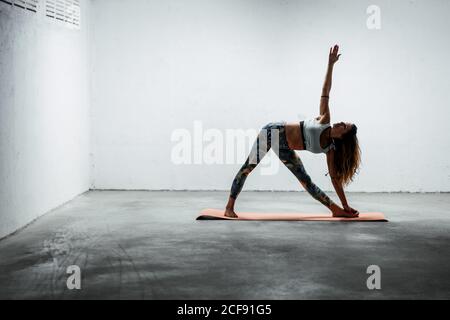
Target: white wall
point(44, 115)
point(160, 65)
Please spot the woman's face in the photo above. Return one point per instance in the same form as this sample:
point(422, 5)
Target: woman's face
point(341, 128)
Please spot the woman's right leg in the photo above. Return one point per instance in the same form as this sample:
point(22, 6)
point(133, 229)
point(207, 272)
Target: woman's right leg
point(236, 187)
point(260, 148)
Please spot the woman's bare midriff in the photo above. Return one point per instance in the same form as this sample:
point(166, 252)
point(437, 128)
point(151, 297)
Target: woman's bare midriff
point(294, 136)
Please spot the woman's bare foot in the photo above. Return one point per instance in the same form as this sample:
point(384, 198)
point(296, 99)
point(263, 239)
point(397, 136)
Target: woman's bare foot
point(229, 209)
point(230, 213)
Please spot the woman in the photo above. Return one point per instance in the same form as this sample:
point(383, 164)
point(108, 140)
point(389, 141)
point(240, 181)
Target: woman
point(338, 142)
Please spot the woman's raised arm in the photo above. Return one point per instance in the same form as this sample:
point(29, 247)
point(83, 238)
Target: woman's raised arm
point(324, 107)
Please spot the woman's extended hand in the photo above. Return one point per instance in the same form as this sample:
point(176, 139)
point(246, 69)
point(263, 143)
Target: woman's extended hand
point(338, 212)
point(334, 55)
point(350, 209)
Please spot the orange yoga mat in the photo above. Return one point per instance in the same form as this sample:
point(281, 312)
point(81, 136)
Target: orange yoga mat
point(215, 214)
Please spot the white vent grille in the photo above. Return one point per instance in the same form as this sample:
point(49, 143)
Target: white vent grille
point(67, 11)
point(30, 5)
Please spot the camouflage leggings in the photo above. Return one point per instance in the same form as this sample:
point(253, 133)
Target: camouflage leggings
point(273, 136)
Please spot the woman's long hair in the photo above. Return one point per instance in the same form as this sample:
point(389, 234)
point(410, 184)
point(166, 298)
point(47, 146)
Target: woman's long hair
point(347, 157)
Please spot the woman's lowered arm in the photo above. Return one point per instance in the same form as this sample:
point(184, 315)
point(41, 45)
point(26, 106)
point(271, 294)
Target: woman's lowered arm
point(337, 186)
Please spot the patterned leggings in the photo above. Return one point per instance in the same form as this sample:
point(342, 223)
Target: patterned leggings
point(273, 136)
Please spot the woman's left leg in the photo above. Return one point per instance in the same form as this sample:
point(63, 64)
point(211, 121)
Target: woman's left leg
point(293, 162)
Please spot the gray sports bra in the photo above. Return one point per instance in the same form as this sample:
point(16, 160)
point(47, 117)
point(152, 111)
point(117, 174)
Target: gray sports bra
point(312, 130)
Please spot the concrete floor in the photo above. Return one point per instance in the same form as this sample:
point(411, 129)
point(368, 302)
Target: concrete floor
point(147, 245)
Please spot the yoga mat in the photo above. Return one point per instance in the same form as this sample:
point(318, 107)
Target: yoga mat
point(215, 214)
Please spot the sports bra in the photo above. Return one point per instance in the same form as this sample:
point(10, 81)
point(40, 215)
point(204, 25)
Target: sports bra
point(312, 130)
